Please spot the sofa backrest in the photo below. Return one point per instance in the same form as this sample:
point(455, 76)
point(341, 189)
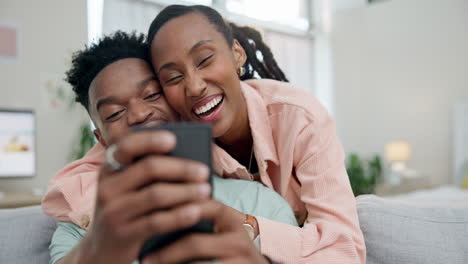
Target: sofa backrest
point(394, 233)
point(402, 232)
point(25, 235)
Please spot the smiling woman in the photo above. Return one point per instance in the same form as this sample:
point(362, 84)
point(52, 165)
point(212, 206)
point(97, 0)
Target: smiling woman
point(200, 66)
point(212, 59)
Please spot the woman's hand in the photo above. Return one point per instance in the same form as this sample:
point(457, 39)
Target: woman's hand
point(230, 244)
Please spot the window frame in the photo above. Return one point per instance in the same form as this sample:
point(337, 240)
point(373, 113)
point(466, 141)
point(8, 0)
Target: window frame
point(220, 6)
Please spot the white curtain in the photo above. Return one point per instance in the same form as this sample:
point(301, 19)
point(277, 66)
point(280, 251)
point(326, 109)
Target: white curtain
point(294, 54)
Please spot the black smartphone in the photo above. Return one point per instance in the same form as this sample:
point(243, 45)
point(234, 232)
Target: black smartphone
point(193, 142)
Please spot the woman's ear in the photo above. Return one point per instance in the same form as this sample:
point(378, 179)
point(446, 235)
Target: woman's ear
point(239, 54)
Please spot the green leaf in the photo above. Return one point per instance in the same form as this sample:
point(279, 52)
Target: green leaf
point(83, 143)
point(363, 174)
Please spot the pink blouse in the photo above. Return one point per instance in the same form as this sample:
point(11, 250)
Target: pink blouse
point(298, 155)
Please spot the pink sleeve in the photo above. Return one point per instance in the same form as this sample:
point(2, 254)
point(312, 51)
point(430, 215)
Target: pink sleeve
point(71, 192)
point(331, 233)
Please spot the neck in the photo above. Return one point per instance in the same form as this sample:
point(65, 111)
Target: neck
point(238, 141)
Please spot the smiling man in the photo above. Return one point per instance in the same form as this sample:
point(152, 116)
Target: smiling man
point(105, 216)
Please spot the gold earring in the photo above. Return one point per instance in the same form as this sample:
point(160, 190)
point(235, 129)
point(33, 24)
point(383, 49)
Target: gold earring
point(241, 71)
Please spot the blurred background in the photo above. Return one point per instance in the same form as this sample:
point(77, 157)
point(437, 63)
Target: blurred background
point(393, 74)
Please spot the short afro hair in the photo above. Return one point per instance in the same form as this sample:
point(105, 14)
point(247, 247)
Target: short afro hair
point(87, 63)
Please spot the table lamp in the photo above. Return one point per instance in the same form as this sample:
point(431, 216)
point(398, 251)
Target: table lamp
point(397, 153)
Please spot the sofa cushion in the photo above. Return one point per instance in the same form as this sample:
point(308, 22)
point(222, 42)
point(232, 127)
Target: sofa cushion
point(396, 232)
point(25, 235)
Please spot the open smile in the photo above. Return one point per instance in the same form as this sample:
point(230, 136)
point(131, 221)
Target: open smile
point(209, 108)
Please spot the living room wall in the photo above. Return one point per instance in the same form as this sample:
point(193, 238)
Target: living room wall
point(399, 68)
point(48, 32)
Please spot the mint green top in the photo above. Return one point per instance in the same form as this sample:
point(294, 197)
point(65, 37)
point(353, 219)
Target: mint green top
point(245, 196)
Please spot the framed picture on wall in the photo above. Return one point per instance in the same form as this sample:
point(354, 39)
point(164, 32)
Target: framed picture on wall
point(8, 42)
point(17, 143)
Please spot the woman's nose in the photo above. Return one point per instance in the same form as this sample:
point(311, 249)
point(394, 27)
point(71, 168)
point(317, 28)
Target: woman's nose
point(195, 86)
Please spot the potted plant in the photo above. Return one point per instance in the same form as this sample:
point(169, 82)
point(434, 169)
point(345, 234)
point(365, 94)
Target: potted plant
point(363, 174)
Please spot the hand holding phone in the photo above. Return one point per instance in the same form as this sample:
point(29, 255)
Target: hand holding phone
point(132, 205)
point(193, 142)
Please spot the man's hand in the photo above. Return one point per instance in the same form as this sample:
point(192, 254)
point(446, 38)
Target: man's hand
point(230, 244)
point(128, 201)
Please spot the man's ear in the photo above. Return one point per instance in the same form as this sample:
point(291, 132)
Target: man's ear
point(239, 54)
point(99, 137)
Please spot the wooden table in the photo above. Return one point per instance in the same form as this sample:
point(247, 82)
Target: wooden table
point(19, 199)
point(405, 186)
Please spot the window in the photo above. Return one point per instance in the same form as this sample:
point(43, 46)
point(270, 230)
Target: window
point(183, 2)
point(95, 9)
point(292, 16)
point(201, 2)
point(292, 13)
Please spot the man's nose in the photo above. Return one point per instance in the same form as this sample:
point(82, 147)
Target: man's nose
point(138, 113)
point(195, 86)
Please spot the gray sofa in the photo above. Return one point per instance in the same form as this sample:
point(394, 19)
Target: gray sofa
point(394, 232)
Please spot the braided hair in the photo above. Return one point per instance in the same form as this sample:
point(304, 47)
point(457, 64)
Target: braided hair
point(260, 61)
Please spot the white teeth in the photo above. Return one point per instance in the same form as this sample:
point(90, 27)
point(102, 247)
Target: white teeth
point(208, 106)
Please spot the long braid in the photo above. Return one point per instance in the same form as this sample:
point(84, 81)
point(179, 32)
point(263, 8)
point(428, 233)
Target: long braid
point(260, 60)
point(252, 63)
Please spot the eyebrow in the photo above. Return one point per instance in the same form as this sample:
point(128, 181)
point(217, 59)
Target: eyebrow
point(146, 81)
point(111, 99)
point(104, 101)
point(192, 49)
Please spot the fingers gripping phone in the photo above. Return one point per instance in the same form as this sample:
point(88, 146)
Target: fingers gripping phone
point(193, 142)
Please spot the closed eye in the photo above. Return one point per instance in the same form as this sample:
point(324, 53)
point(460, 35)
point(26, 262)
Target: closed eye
point(113, 116)
point(173, 79)
point(204, 60)
point(153, 96)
